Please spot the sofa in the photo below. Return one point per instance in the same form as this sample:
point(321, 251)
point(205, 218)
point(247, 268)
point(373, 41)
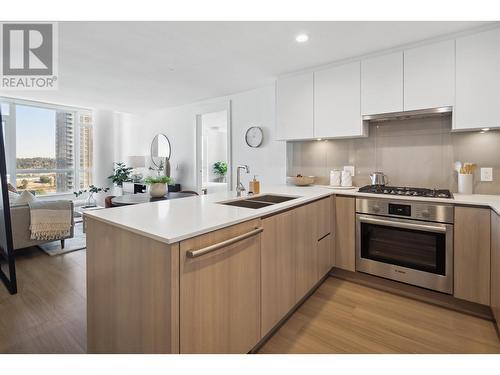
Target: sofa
point(20, 218)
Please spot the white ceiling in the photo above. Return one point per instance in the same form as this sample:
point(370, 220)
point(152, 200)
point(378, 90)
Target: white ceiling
point(133, 66)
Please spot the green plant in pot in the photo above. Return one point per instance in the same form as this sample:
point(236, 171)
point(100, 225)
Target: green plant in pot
point(92, 189)
point(220, 169)
point(158, 185)
point(121, 173)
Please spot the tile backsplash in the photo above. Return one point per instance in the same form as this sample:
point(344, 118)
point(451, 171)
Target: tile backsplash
point(414, 152)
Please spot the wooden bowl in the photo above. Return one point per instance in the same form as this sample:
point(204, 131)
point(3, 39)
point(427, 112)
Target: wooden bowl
point(302, 180)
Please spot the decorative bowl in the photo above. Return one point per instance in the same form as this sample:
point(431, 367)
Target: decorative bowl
point(301, 180)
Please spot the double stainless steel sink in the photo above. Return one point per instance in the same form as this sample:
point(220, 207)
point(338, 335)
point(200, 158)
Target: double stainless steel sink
point(259, 201)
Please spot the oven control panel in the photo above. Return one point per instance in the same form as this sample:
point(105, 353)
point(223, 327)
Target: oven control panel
point(426, 211)
point(400, 209)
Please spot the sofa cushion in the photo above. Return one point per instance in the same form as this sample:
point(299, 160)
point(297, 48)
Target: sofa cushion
point(11, 188)
point(24, 198)
point(12, 197)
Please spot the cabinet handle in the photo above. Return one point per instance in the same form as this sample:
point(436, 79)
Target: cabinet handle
point(217, 246)
point(399, 224)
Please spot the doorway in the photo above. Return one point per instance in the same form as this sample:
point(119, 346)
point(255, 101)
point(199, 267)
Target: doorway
point(213, 152)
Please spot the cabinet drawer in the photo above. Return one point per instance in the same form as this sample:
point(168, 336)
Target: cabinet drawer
point(323, 216)
point(220, 291)
point(325, 255)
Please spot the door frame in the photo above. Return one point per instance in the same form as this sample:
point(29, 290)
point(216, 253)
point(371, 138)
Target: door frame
point(210, 108)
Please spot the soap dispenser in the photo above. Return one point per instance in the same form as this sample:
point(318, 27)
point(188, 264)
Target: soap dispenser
point(254, 185)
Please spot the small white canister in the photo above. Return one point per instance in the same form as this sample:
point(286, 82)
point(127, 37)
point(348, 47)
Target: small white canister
point(335, 177)
point(465, 183)
point(346, 179)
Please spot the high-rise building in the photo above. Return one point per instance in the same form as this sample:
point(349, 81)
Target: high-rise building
point(85, 153)
point(65, 125)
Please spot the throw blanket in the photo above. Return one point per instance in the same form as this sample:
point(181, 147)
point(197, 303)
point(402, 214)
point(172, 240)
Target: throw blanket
point(50, 220)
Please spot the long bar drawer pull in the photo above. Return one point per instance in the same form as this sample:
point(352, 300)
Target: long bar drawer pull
point(217, 246)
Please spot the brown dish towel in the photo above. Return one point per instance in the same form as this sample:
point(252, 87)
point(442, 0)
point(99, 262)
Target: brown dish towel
point(50, 220)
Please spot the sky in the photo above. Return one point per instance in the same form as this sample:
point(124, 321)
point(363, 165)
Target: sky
point(35, 132)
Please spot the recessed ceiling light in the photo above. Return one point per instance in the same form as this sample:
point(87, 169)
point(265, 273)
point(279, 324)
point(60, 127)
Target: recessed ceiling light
point(485, 129)
point(302, 38)
point(319, 139)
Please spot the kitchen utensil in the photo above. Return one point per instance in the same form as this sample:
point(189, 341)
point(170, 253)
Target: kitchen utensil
point(458, 166)
point(468, 168)
point(300, 180)
point(335, 177)
point(378, 178)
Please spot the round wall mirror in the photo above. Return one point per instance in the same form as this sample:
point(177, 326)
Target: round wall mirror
point(160, 150)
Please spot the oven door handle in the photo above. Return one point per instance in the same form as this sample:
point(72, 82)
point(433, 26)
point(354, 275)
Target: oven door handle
point(399, 224)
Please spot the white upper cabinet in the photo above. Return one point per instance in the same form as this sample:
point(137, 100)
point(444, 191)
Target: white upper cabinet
point(337, 102)
point(429, 76)
point(478, 81)
point(294, 107)
point(382, 84)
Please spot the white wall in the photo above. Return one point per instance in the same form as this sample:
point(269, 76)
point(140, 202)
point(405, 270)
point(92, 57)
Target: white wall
point(105, 145)
point(137, 132)
point(250, 108)
point(257, 108)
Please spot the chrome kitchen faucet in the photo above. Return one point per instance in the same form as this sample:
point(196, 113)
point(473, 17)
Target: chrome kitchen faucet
point(239, 185)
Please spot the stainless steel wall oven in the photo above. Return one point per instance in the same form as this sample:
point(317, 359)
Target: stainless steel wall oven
point(406, 241)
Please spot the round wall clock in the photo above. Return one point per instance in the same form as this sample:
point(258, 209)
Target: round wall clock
point(254, 136)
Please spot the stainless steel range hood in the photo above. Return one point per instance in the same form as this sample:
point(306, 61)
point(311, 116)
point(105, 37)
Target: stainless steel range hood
point(406, 115)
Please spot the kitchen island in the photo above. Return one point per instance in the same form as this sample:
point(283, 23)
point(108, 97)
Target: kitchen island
point(197, 276)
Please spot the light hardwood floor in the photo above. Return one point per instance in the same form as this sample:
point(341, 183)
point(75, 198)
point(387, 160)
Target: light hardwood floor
point(48, 315)
point(344, 317)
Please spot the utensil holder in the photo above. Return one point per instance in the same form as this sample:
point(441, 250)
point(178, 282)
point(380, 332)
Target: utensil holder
point(465, 183)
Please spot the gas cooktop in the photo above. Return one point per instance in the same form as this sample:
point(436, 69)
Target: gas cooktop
point(406, 191)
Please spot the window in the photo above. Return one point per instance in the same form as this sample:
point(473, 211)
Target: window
point(53, 147)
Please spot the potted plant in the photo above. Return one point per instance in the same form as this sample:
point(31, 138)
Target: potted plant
point(90, 202)
point(121, 173)
point(158, 185)
point(220, 169)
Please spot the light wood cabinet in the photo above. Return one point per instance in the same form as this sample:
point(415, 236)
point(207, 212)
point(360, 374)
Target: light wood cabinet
point(220, 292)
point(132, 292)
point(278, 269)
point(325, 255)
point(345, 232)
point(337, 102)
point(472, 254)
point(429, 76)
point(312, 223)
point(297, 251)
point(322, 217)
point(495, 267)
point(477, 81)
point(382, 84)
point(294, 107)
point(305, 249)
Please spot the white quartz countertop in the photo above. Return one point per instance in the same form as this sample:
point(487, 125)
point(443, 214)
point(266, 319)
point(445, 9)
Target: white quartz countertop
point(174, 220)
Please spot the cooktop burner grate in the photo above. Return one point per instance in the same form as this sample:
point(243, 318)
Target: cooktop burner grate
point(406, 191)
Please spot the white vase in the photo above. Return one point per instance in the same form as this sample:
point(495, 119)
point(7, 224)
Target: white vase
point(465, 183)
point(335, 177)
point(158, 190)
point(117, 191)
